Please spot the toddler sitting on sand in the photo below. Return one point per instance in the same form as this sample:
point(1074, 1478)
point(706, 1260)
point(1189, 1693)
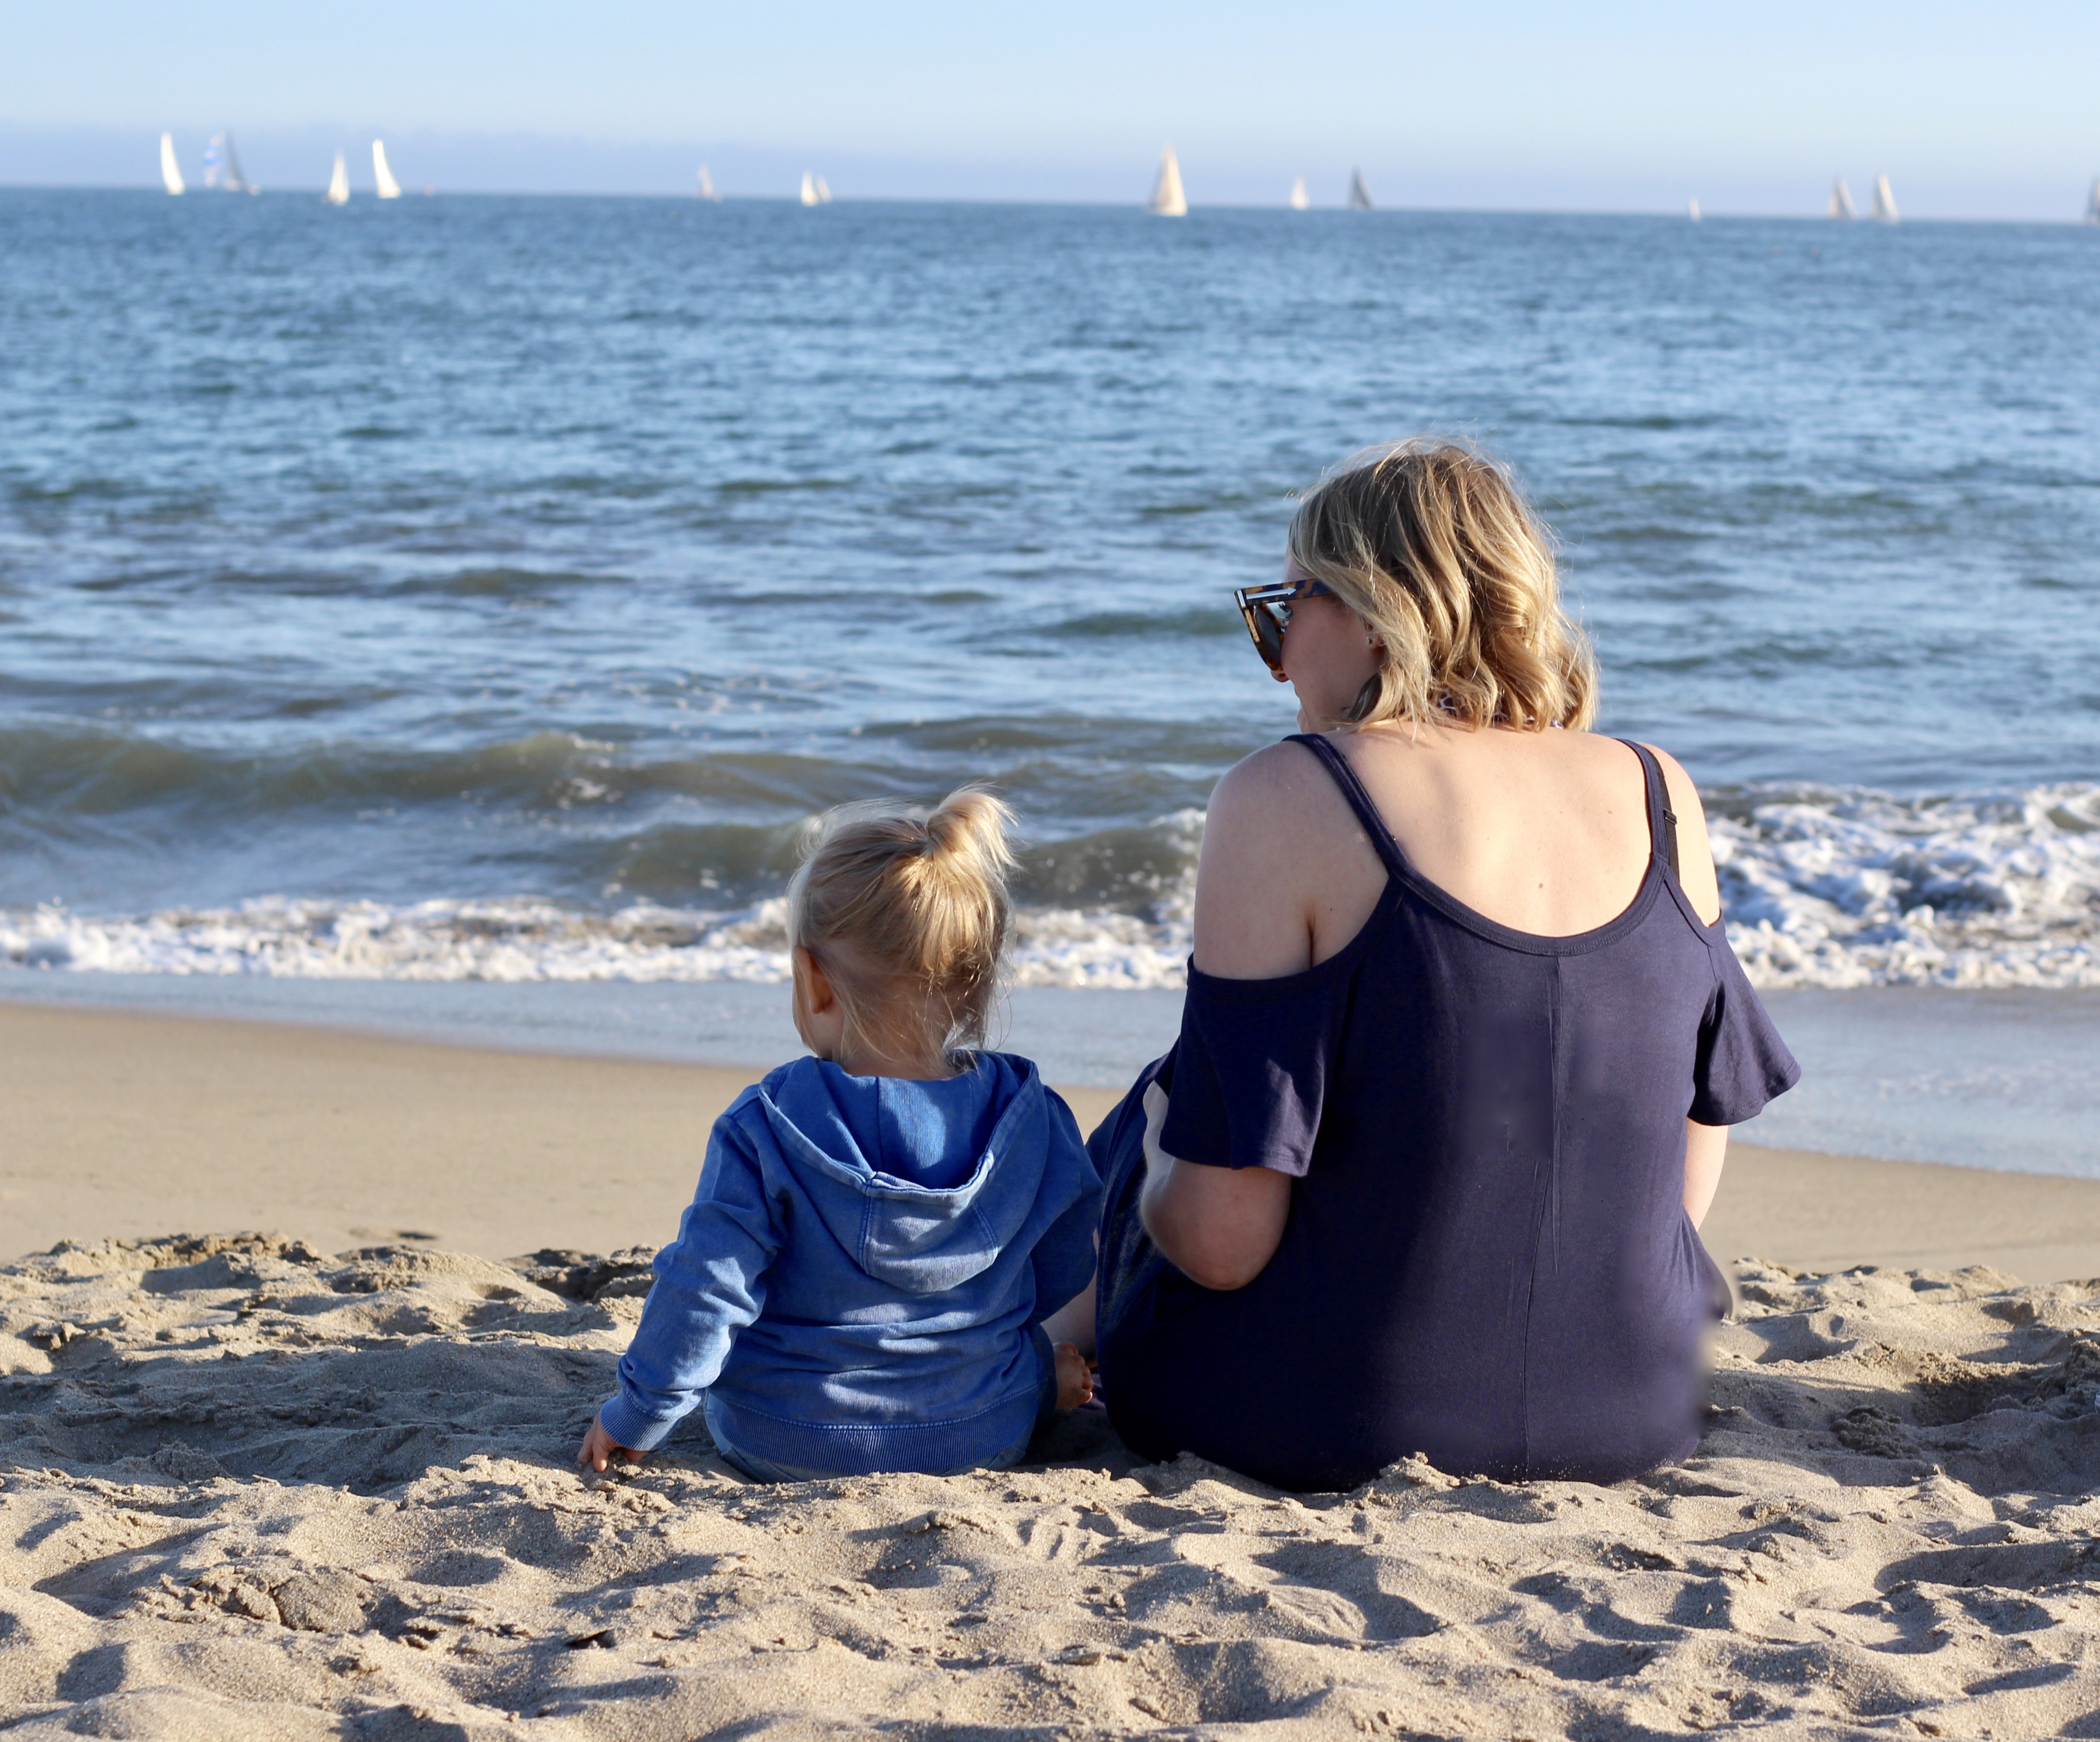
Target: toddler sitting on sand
point(881, 1229)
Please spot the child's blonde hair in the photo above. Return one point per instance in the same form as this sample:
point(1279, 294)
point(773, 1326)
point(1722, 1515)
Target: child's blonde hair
point(908, 917)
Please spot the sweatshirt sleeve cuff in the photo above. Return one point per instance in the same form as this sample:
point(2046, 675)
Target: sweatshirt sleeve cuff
point(628, 1427)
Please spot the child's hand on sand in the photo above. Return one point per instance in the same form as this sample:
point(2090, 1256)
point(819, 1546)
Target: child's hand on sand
point(1075, 1379)
point(600, 1448)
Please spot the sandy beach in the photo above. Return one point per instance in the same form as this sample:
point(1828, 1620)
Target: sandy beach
point(120, 1125)
point(313, 1481)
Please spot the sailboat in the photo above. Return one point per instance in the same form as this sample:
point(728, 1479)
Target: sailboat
point(815, 191)
point(1299, 202)
point(1841, 201)
point(1884, 202)
point(2092, 203)
point(171, 174)
point(1168, 200)
point(236, 182)
point(1695, 211)
point(388, 188)
point(1360, 196)
point(222, 166)
point(706, 190)
point(338, 189)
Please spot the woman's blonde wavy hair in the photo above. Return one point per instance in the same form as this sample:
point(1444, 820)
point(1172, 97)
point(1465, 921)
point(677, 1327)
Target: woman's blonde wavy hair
point(1433, 545)
point(908, 915)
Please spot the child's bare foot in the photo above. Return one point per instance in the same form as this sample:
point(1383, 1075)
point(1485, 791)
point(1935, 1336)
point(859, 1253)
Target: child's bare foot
point(1075, 1380)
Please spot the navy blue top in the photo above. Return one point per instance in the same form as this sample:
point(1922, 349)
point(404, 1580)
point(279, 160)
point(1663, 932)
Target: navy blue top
point(1487, 1258)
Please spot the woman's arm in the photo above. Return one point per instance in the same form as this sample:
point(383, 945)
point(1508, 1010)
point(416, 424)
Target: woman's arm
point(1262, 908)
point(1218, 1226)
point(1706, 1149)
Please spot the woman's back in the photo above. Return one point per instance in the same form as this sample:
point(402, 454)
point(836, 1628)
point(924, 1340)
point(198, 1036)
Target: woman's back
point(1542, 832)
point(1486, 1256)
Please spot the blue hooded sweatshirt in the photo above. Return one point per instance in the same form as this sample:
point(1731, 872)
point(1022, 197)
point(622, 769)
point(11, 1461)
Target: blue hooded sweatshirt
point(856, 1282)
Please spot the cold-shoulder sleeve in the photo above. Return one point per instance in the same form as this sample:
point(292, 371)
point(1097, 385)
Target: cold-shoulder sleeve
point(1249, 1074)
point(1742, 1063)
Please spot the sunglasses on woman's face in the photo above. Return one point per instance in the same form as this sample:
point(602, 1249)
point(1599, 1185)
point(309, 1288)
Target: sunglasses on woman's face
point(1267, 610)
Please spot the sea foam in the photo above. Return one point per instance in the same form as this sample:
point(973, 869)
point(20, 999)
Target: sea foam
point(1822, 887)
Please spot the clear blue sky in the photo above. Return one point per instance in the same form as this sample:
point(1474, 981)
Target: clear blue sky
point(1608, 105)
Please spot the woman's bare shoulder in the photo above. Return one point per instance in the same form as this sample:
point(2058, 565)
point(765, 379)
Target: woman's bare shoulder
point(1285, 869)
point(1281, 784)
point(1694, 847)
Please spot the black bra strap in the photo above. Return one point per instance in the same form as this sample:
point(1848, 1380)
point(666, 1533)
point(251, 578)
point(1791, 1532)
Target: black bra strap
point(1662, 819)
point(1360, 801)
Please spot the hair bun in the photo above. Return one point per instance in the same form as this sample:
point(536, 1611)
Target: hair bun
point(910, 917)
point(971, 823)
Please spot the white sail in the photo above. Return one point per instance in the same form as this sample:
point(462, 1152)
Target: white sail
point(2092, 203)
point(1360, 194)
point(1695, 211)
point(339, 190)
point(1841, 201)
point(211, 160)
point(1884, 201)
point(808, 188)
point(1168, 201)
point(171, 175)
point(1299, 202)
point(706, 190)
point(383, 177)
point(823, 191)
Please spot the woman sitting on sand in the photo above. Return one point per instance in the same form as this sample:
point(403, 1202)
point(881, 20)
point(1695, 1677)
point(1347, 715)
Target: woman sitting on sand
point(1462, 1035)
point(881, 1229)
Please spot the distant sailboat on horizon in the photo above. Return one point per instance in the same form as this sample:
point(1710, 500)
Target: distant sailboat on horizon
point(382, 176)
point(1299, 202)
point(1168, 200)
point(814, 191)
point(171, 173)
point(1841, 201)
point(221, 166)
point(338, 186)
point(706, 190)
point(1695, 211)
point(1884, 202)
point(1360, 194)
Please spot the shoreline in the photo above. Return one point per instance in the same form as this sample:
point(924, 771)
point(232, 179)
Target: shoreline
point(1966, 1077)
point(139, 1125)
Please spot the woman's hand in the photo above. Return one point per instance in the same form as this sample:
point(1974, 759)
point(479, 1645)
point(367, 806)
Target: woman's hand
point(600, 1448)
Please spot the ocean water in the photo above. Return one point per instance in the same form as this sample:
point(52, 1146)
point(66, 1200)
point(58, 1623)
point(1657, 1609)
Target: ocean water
point(492, 588)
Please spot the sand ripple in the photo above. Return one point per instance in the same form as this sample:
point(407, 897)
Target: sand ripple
point(247, 1489)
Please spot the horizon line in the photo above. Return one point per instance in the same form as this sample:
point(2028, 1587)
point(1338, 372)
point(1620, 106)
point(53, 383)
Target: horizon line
point(1677, 213)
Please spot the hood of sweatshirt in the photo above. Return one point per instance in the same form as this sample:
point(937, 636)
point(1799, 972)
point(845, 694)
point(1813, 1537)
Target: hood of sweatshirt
point(924, 1184)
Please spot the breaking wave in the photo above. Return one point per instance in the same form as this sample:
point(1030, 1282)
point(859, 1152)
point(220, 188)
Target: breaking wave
point(1824, 887)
